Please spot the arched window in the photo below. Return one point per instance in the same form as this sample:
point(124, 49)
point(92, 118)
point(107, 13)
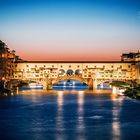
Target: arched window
point(70, 72)
point(78, 72)
point(61, 72)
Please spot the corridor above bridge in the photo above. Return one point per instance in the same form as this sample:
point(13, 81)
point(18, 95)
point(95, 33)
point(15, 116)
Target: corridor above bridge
point(92, 70)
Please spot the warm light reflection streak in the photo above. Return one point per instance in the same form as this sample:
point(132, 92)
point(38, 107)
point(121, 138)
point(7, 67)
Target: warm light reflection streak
point(59, 118)
point(81, 125)
point(117, 104)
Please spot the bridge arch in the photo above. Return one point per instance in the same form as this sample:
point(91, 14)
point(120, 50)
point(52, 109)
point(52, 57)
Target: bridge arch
point(89, 83)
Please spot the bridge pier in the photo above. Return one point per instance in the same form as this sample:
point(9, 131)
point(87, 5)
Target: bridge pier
point(47, 85)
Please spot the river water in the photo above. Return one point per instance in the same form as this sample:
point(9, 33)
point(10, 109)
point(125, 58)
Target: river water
point(69, 115)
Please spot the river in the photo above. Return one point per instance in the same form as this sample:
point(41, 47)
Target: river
point(69, 115)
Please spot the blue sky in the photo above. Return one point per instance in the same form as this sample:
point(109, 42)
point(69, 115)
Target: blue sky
point(70, 29)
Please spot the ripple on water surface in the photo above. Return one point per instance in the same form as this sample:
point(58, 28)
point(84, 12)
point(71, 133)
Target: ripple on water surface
point(62, 115)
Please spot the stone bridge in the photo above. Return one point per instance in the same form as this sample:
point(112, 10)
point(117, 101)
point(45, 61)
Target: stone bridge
point(91, 73)
point(91, 82)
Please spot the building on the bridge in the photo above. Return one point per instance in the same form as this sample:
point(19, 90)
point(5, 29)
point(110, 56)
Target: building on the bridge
point(125, 70)
point(101, 71)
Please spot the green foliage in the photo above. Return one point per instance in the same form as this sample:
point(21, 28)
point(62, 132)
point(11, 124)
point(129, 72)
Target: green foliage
point(120, 84)
point(133, 92)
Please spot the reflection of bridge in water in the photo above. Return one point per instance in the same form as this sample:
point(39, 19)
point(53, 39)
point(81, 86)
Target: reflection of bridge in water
point(90, 73)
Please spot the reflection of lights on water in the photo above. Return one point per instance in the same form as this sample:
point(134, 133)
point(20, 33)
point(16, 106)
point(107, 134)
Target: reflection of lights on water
point(34, 96)
point(117, 103)
point(17, 91)
point(73, 83)
point(117, 91)
point(69, 84)
point(80, 98)
point(116, 130)
point(81, 125)
point(60, 98)
point(114, 97)
point(116, 118)
point(114, 93)
point(114, 90)
point(59, 118)
point(64, 84)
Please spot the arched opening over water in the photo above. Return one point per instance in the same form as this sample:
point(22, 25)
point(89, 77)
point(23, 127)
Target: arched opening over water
point(104, 85)
point(70, 85)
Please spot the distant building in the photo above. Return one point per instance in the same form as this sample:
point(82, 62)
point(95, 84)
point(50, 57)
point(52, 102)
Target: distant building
point(131, 56)
point(7, 60)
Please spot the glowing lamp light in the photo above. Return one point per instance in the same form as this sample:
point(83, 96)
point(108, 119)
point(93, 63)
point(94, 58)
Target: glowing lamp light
point(114, 90)
point(73, 83)
point(3, 78)
point(64, 84)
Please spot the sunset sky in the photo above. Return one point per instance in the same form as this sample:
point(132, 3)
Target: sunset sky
point(70, 29)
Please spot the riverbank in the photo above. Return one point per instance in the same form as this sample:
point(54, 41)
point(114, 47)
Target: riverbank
point(133, 92)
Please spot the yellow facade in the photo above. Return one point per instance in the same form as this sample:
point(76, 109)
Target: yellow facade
point(90, 70)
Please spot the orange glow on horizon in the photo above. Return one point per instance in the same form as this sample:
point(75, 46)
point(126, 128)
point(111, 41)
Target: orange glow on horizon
point(68, 58)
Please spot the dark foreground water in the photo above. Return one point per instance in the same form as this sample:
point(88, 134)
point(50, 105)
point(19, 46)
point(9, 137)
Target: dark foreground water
point(69, 115)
